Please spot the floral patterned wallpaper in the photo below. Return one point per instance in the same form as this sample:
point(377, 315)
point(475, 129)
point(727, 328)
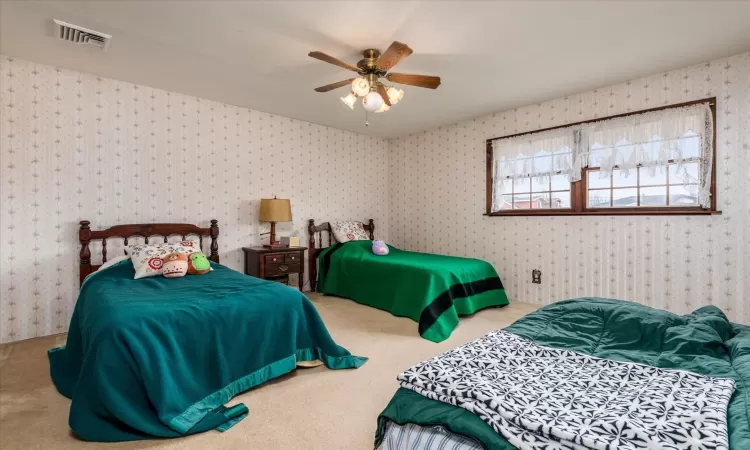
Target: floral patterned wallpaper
point(679, 263)
point(75, 146)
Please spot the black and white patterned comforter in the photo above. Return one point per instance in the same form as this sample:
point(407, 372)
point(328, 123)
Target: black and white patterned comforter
point(541, 398)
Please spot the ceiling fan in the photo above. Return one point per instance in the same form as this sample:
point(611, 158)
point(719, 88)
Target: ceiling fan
point(376, 96)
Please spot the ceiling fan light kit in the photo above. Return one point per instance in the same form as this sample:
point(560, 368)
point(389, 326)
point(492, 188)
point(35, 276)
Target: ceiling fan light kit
point(360, 87)
point(349, 100)
point(376, 96)
point(372, 101)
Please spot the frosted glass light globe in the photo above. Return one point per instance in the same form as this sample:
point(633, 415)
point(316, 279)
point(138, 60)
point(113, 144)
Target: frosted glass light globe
point(360, 87)
point(372, 101)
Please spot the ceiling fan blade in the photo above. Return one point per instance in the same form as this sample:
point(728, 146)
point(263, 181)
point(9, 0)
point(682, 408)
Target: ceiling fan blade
point(424, 81)
point(384, 94)
point(332, 86)
point(331, 60)
point(395, 53)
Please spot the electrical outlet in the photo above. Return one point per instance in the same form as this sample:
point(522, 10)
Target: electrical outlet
point(536, 276)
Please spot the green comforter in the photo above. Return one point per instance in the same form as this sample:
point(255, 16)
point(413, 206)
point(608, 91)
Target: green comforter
point(432, 290)
point(158, 357)
point(703, 342)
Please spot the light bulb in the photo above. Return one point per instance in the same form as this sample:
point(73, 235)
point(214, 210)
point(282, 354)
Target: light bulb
point(360, 86)
point(372, 101)
point(395, 95)
point(349, 100)
point(383, 108)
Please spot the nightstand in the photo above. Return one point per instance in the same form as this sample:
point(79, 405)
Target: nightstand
point(275, 263)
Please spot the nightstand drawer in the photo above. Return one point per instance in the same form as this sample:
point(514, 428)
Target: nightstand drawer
point(293, 258)
point(273, 270)
point(276, 258)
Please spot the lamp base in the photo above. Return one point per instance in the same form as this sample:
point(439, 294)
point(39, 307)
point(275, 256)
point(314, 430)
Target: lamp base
point(276, 244)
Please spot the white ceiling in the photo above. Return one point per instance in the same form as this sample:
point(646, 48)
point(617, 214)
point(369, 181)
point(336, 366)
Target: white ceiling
point(491, 56)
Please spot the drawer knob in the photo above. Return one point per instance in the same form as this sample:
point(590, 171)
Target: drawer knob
point(283, 267)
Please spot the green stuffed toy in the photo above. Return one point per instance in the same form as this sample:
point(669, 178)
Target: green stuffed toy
point(198, 264)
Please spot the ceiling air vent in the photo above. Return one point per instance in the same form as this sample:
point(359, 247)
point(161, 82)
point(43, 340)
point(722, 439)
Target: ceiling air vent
point(79, 35)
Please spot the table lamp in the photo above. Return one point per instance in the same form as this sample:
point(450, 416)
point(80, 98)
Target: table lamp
point(275, 210)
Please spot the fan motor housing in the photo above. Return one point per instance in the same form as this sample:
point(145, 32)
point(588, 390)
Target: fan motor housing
point(367, 65)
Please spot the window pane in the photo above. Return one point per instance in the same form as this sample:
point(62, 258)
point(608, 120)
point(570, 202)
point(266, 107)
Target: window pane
point(620, 179)
point(597, 179)
point(560, 182)
point(690, 145)
point(507, 186)
point(560, 200)
point(522, 201)
point(543, 164)
point(624, 198)
point(683, 195)
point(599, 198)
point(522, 185)
point(540, 186)
point(507, 202)
point(653, 175)
point(654, 196)
point(540, 201)
point(687, 173)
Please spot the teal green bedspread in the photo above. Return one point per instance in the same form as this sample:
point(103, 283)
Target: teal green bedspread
point(704, 342)
point(159, 357)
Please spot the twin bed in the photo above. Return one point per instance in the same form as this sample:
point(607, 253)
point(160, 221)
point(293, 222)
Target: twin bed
point(582, 373)
point(161, 357)
point(432, 290)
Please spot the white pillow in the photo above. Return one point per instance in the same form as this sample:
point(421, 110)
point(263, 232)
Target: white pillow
point(349, 230)
point(147, 258)
point(114, 261)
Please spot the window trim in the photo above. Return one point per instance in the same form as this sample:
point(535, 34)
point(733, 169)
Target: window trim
point(578, 189)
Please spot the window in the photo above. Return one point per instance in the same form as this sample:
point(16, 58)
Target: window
point(657, 161)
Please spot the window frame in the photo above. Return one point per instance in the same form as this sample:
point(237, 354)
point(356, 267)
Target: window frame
point(579, 189)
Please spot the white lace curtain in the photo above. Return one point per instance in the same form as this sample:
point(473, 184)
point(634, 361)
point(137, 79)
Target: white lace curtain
point(654, 140)
point(536, 155)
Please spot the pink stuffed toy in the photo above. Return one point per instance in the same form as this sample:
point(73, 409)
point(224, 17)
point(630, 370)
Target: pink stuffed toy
point(379, 248)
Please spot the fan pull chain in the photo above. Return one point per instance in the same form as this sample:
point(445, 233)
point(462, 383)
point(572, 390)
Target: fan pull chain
point(367, 122)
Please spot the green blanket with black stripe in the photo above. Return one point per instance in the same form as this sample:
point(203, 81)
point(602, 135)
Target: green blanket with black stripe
point(432, 290)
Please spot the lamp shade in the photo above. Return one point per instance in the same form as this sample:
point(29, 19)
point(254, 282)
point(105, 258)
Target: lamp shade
point(275, 210)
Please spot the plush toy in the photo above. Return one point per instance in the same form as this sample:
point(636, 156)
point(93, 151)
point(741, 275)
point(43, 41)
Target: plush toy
point(198, 264)
point(175, 265)
point(379, 248)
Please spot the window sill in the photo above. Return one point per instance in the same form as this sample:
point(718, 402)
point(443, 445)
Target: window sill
point(627, 212)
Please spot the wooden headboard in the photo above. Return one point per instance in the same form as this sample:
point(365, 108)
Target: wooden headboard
point(144, 230)
point(316, 245)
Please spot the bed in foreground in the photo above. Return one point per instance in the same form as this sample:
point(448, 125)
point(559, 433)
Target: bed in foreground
point(703, 343)
point(432, 290)
point(159, 357)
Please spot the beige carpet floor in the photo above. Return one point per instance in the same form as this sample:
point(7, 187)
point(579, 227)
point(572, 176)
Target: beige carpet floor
point(313, 408)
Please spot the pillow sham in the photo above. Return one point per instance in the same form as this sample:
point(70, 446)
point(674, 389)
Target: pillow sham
point(114, 261)
point(349, 230)
point(147, 258)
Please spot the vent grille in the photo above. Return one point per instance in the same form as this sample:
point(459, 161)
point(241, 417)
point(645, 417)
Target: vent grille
point(79, 35)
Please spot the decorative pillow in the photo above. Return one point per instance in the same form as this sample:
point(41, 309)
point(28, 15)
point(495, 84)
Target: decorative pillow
point(147, 258)
point(348, 230)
